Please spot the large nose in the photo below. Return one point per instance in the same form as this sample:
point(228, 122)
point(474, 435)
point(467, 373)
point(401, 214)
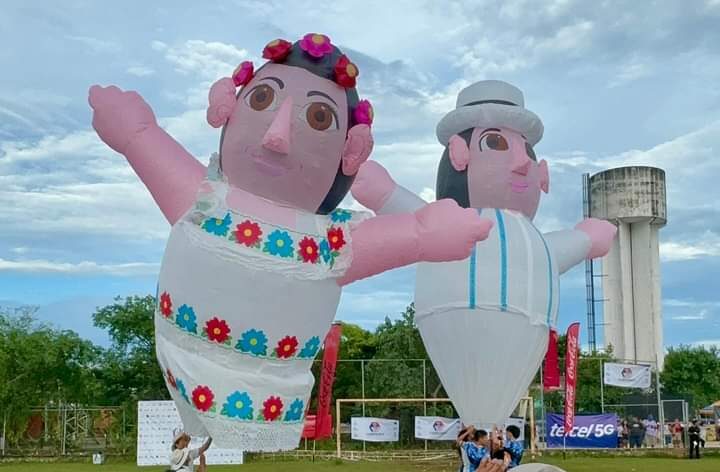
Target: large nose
point(521, 163)
point(277, 137)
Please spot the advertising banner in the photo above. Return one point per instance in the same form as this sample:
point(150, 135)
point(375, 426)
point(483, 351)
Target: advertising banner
point(437, 428)
point(591, 431)
point(374, 429)
point(628, 375)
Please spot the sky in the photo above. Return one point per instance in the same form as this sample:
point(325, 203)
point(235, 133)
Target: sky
point(615, 83)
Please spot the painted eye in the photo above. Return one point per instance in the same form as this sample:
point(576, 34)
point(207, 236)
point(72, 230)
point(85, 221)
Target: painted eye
point(530, 152)
point(320, 116)
point(493, 141)
point(261, 97)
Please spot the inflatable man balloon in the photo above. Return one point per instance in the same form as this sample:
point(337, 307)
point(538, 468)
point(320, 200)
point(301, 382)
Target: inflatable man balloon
point(258, 252)
point(485, 319)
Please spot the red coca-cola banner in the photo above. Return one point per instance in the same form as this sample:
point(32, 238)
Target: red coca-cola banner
point(551, 371)
point(323, 428)
point(571, 361)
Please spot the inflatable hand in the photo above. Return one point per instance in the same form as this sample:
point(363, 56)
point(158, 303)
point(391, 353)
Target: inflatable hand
point(372, 186)
point(448, 232)
point(119, 116)
point(601, 234)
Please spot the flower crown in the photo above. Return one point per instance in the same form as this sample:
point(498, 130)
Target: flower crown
point(316, 46)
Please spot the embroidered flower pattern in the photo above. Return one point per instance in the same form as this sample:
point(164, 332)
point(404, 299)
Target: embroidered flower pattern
point(286, 347)
point(253, 342)
point(279, 243)
point(243, 73)
point(186, 319)
point(171, 379)
point(165, 305)
point(217, 226)
point(217, 330)
point(272, 409)
point(336, 238)
point(316, 45)
point(248, 233)
point(296, 411)
point(308, 251)
point(363, 113)
point(340, 216)
point(181, 389)
point(346, 72)
point(277, 50)
point(202, 398)
point(311, 348)
point(238, 405)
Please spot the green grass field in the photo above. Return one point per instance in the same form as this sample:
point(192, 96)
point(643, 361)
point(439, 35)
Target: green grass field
point(571, 465)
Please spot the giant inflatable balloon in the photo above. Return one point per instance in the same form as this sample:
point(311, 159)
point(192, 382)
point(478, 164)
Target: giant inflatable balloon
point(485, 319)
point(258, 252)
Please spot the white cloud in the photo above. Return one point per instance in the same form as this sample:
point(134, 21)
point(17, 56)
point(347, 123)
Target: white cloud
point(207, 59)
point(97, 45)
point(708, 343)
point(708, 245)
point(629, 72)
point(81, 268)
point(140, 71)
point(699, 316)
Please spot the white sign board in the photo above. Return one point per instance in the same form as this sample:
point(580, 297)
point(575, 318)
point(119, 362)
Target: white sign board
point(628, 375)
point(157, 422)
point(375, 429)
point(437, 428)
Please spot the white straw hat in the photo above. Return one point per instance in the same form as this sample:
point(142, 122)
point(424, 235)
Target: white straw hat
point(178, 458)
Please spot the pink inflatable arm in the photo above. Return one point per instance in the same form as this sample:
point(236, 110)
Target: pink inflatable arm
point(126, 123)
point(375, 189)
point(440, 231)
point(601, 234)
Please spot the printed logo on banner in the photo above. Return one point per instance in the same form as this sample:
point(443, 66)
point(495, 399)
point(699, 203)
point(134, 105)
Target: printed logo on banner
point(374, 429)
point(590, 431)
point(628, 375)
point(439, 426)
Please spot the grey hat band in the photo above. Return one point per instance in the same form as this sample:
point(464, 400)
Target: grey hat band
point(499, 102)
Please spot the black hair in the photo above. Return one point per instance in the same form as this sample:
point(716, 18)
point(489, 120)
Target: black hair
point(514, 430)
point(479, 434)
point(453, 183)
point(323, 67)
point(499, 454)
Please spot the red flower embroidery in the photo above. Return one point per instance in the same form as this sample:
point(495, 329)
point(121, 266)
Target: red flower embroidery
point(248, 233)
point(336, 238)
point(286, 347)
point(277, 50)
point(217, 330)
point(346, 72)
point(171, 379)
point(272, 408)
point(309, 250)
point(203, 398)
point(165, 305)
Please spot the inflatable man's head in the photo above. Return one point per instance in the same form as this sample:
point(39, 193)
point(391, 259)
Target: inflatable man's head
point(489, 160)
point(296, 132)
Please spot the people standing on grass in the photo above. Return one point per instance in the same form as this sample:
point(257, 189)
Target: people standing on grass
point(651, 432)
point(694, 437)
point(182, 458)
point(637, 432)
point(677, 429)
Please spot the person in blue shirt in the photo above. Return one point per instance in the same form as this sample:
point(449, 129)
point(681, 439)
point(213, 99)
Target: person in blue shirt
point(513, 446)
point(477, 449)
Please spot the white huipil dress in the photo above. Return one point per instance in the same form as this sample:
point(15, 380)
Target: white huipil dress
point(484, 320)
point(243, 306)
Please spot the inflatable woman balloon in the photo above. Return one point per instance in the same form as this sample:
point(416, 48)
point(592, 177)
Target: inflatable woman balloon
point(484, 320)
point(258, 253)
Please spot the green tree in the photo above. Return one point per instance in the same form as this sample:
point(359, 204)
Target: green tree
point(692, 373)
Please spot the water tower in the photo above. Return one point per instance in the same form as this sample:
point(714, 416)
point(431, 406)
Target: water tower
point(634, 199)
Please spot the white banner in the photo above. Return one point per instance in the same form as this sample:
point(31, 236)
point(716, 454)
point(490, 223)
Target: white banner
point(157, 423)
point(437, 428)
point(628, 375)
point(374, 429)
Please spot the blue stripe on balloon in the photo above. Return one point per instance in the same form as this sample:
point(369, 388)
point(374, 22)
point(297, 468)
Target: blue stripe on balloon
point(503, 260)
point(473, 266)
point(550, 277)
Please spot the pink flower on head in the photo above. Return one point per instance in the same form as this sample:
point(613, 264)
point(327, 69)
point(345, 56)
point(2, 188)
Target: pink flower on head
point(243, 73)
point(277, 50)
point(363, 113)
point(317, 45)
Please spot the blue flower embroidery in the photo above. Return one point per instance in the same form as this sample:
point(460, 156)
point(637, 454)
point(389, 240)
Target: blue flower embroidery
point(311, 348)
point(253, 341)
point(279, 243)
point(325, 251)
point(340, 216)
point(295, 412)
point(181, 389)
point(217, 226)
point(238, 405)
point(186, 319)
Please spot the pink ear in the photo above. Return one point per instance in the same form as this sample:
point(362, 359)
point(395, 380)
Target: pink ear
point(358, 146)
point(222, 102)
point(544, 176)
point(459, 153)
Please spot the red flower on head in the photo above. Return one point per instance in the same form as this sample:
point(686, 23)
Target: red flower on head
point(272, 408)
point(336, 238)
point(346, 72)
point(171, 379)
point(286, 347)
point(202, 398)
point(243, 73)
point(165, 304)
point(308, 250)
point(363, 113)
point(217, 330)
point(277, 50)
point(248, 233)
point(316, 45)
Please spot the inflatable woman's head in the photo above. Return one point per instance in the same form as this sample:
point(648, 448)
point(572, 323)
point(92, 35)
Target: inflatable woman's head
point(296, 132)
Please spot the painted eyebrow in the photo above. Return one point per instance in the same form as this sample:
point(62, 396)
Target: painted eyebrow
point(314, 93)
point(275, 79)
point(492, 129)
